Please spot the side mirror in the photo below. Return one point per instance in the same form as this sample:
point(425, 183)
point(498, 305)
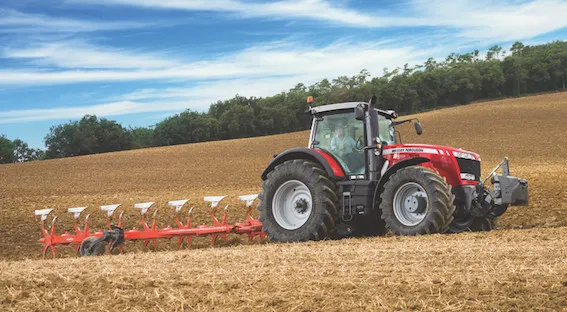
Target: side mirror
point(418, 128)
point(359, 112)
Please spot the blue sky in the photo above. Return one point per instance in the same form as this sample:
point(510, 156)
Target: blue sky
point(138, 61)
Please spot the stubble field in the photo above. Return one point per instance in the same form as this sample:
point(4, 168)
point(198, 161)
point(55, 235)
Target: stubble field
point(521, 266)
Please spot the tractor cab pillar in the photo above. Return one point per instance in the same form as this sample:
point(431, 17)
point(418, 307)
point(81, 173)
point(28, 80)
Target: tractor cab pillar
point(373, 144)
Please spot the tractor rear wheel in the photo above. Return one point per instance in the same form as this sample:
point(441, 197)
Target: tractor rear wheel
point(416, 200)
point(298, 202)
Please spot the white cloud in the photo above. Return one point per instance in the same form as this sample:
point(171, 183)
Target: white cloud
point(108, 109)
point(290, 59)
point(472, 19)
point(258, 71)
point(198, 97)
point(502, 21)
point(12, 21)
point(80, 55)
point(306, 9)
point(201, 95)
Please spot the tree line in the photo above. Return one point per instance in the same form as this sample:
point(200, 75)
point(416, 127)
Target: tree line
point(18, 151)
point(458, 79)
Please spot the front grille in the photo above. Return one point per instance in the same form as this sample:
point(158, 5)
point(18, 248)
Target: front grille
point(469, 166)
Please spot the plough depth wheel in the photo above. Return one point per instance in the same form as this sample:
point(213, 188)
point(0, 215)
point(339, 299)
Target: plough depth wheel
point(92, 246)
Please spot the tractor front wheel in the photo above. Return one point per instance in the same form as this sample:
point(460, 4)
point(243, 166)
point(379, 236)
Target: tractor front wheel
point(298, 202)
point(416, 200)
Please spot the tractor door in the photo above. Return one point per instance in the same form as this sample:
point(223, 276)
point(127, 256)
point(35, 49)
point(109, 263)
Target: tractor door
point(342, 136)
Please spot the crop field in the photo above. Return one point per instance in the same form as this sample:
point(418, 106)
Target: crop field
point(521, 266)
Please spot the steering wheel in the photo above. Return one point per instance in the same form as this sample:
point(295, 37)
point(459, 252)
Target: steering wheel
point(359, 146)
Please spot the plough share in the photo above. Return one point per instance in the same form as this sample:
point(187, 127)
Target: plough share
point(92, 243)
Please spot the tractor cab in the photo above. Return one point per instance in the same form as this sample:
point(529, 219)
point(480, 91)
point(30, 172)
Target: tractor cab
point(340, 130)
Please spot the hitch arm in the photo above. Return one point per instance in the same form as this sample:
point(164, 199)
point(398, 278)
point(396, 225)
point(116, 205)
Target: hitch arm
point(505, 169)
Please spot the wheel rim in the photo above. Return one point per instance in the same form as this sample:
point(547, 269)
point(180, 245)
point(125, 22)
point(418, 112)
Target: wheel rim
point(411, 204)
point(292, 204)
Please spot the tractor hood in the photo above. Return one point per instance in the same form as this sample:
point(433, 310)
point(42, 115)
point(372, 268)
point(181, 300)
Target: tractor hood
point(458, 166)
point(430, 149)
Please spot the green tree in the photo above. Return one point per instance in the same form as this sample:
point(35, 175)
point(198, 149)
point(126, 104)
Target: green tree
point(24, 153)
point(517, 48)
point(494, 52)
point(238, 122)
point(186, 127)
point(141, 137)
point(6, 150)
point(515, 74)
point(492, 79)
point(89, 135)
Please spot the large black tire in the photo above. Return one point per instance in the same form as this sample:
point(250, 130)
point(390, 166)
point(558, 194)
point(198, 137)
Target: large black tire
point(461, 222)
point(436, 211)
point(89, 247)
point(372, 224)
point(476, 224)
point(320, 223)
point(459, 226)
point(484, 224)
point(473, 224)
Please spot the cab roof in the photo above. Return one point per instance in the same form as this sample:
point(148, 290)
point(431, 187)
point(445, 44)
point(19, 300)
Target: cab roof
point(348, 105)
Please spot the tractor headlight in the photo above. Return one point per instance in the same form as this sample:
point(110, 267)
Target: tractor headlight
point(463, 155)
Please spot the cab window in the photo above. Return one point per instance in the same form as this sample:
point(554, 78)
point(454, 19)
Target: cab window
point(342, 136)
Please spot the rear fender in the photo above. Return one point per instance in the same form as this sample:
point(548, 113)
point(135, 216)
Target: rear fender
point(397, 166)
point(328, 162)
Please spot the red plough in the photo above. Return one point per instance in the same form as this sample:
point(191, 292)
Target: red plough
point(88, 243)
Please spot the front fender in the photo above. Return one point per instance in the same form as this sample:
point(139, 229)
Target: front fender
point(328, 162)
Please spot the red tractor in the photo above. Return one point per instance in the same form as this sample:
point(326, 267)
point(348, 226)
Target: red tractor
point(356, 178)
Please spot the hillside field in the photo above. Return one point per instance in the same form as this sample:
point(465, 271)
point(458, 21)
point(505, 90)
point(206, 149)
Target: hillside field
point(521, 266)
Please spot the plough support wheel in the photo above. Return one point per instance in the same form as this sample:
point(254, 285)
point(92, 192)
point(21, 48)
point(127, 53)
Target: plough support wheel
point(91, 246)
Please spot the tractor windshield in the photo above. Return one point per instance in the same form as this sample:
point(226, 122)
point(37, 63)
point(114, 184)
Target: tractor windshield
point(386, 131)
point(342, 135)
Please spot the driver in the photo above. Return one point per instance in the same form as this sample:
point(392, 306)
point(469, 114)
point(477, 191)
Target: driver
point(342, 144)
